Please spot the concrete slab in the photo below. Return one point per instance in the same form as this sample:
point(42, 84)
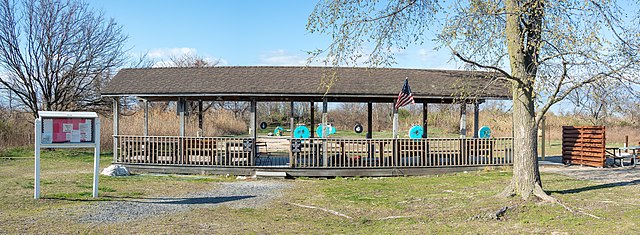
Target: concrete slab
point(271, 174)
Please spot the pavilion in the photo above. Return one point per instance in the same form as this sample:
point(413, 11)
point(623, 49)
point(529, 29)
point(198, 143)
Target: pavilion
point(313, 156)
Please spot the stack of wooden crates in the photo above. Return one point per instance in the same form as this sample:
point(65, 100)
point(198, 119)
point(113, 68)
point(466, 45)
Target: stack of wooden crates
point(584, 145)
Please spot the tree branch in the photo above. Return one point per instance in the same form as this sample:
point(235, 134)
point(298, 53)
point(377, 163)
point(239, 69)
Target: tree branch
point(501, 71)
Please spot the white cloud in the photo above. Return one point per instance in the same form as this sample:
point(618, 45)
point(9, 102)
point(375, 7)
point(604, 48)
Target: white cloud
point(169, 63)
point(425, 54)
point(162, 53)
point(221, 61)
point(162, 56)
point(281, 57)
point(432, 59)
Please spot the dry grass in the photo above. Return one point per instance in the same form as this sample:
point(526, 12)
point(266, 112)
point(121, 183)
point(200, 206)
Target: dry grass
point(17, 129)
point(167, 123)
point(443, 120)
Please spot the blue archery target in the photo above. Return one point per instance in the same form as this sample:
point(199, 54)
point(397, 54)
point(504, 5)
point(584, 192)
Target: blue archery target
point(416, 132)
point(301, 132)
point(484, 132)
point(332, 130)
point(278, 131)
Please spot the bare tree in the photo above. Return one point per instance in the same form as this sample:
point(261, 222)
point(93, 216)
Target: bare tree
point(57, 54)
point(600, 100)
point(238, 108)
point(192, 60)
point(546, 49)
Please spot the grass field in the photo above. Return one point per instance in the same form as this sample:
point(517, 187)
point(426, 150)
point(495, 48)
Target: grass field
point(459, 203)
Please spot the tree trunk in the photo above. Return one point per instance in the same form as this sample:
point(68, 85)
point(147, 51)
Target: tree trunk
point(522, 53)
point(526, 175)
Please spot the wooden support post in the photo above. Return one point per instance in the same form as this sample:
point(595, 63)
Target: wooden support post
point(200, 117)
point(425, 147)
point(146, 118)
point(324, 119)
point(425, 115)
point(476, 118)
point(395, 122)
point(313, 119)
point(369, 120)
point(182, 103)
point(463, 120)
point(626, 143)
point(324, 134)
point(253, 131)
point(116, 126)
point(291, 124)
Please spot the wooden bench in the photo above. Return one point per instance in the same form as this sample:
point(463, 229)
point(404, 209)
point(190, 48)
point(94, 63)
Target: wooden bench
point(200, 151)
point(238, 153)
point(263, 155)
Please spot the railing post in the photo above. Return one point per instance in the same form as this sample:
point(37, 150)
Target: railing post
point(394, 151)
point(290, 153)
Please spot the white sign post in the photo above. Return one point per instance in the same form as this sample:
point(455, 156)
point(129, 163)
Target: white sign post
point(67, 130)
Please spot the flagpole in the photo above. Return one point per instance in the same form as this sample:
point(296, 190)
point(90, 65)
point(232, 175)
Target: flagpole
point(395, 121)
point(404, 98)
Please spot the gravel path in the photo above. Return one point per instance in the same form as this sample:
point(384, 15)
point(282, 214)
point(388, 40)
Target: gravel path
point(615, 175)
point(620, 175)
point(243, 194)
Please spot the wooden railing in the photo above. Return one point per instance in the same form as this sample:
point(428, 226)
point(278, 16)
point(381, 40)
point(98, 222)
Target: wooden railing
point(376, 153)
point(314, 153)
point(171, 150)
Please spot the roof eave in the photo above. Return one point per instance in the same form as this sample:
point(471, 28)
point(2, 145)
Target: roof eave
point(293, 96)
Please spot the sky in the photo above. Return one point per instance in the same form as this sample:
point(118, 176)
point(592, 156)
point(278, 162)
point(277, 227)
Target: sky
point(237, 33)
point(241, 33)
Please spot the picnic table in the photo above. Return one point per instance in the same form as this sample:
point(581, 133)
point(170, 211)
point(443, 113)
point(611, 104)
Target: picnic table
point(621, 153)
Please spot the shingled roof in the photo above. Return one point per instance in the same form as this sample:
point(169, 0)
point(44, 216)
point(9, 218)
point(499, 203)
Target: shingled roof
point(304, 83)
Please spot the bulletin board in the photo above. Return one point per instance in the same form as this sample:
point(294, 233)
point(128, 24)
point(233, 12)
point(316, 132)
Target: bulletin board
point(67, 130)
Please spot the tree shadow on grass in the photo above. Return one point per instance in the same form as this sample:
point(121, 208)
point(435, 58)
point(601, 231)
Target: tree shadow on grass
point(166, 201)
point(594, 187)
point(197, 200)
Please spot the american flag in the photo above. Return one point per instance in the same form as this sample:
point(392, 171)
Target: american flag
point(405, 97)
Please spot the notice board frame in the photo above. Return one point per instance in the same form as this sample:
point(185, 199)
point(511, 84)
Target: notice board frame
point(94, 141)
